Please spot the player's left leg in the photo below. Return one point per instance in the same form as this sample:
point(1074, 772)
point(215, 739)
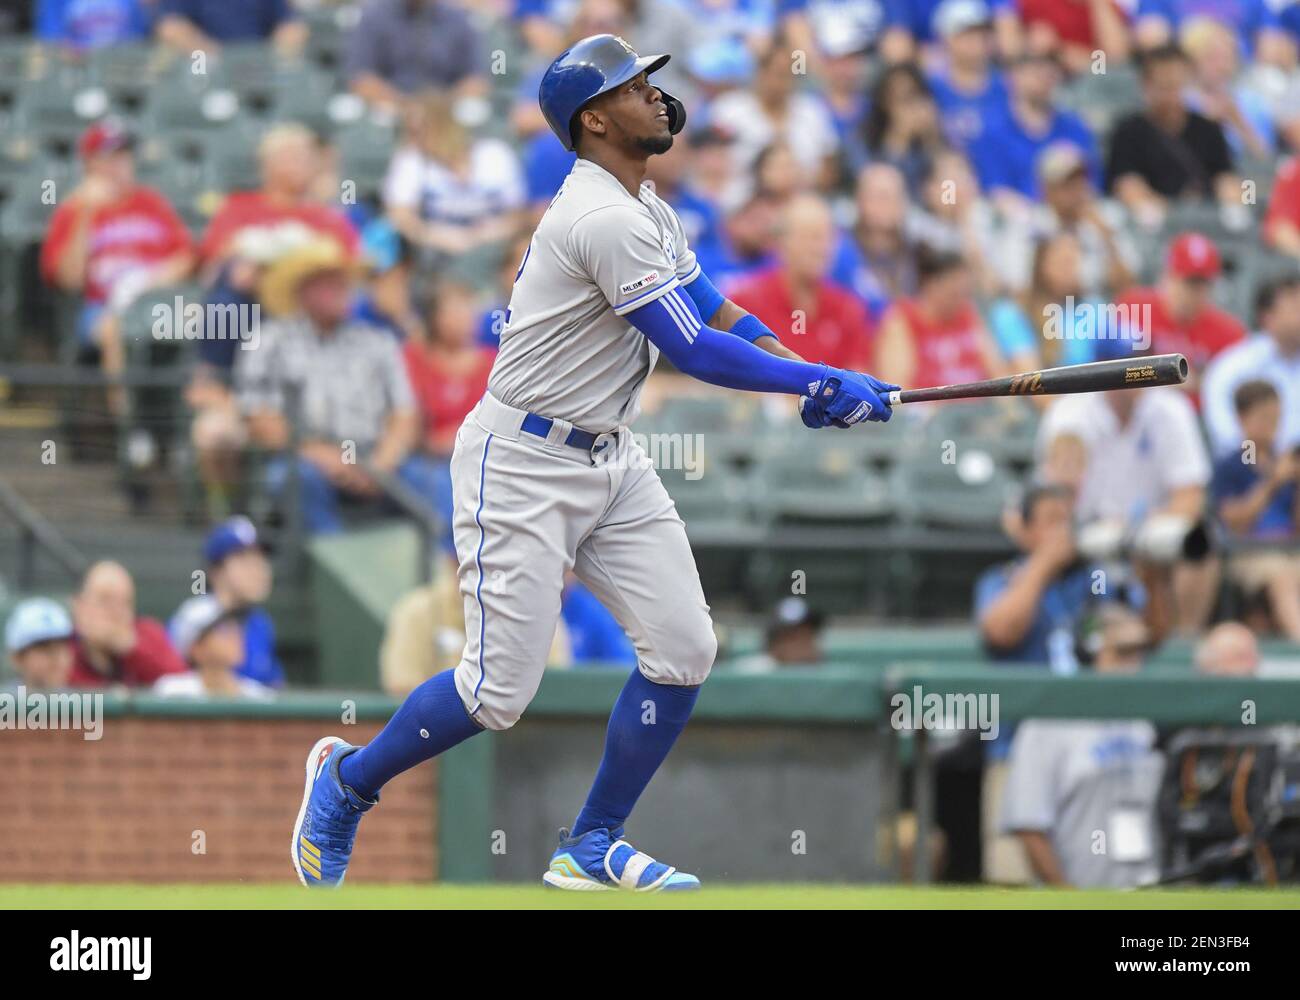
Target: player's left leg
point(639, 563)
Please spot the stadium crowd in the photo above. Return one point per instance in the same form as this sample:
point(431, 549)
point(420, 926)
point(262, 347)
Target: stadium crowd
point(936, 191)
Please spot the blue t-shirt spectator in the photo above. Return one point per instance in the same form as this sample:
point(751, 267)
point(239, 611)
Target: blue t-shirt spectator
point(260, 662)
point(1007, 155)
point(1079, 334)
point(91, 24)
point(227, 21)
point(964, 114)
point(595, 636)
point(1235, 478)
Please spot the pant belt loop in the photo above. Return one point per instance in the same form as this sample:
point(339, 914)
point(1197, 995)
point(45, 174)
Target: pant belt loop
point(558, 434)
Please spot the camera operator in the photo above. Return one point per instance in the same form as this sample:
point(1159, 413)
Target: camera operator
point(1255, 498)
point(1028, 609)
point(1142, 488)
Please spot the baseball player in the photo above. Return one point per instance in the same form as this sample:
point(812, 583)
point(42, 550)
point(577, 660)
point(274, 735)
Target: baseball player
point(547, 479)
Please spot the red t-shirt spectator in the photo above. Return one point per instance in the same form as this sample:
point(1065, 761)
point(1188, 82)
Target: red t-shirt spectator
point(1200, 338)
point(836, 331)
point(252, 208)
point(1284, 205)
point(1070, 19)
point(948, 351)
point(151, 657)
point(139, 231)
point(445, 398)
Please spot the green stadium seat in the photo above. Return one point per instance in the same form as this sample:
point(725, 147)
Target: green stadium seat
point(820, 479)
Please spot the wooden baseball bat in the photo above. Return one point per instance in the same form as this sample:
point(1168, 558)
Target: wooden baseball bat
point(1098, 376)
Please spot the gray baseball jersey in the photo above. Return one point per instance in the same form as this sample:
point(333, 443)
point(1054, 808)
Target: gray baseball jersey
point(598, 253)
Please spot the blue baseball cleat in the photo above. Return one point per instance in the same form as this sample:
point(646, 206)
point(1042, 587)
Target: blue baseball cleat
point(327, 821)
point(600, 859)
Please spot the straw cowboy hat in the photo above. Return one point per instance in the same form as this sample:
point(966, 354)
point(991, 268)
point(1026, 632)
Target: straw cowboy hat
point(278, 289)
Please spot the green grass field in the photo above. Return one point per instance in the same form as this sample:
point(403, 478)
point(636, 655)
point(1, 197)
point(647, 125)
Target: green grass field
point(420, 897)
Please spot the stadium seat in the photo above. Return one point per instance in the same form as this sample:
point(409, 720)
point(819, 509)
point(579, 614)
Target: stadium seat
point(821, 479)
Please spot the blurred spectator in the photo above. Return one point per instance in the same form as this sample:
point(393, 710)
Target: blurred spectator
point(793, 638)
point(1108, 257)
point(843, 45)
point(901, 127)
point(191, 25)
point(773, 109)
point(492, 320)
point(812, 315)
point(954, 216)
point(1254, 22)
point(1167, 151)
point(1005, 159)
point(1273, 355)
point(937, 337)
point(1145, 472)
point(748, 239)
point(38, 638)
point(1075, 30)
point(448, 192)
point(1052, 323)
point(239, 576)
point(875, 24)
point(111, 240)
point(113, 645)
point(1070, 779)
point(81, 25)
point(878, 260)
point(448, 369)
point(1179, 315)
point(595, 636)
point(921, 18)
point(1218, 92)
point(968, 88)
point(1281, 229)
point(1030, 610)
point(354, 415)
point(210, 638)
point(405, 46)
point(289, 155)
point(1229, 649)
point(1254, 493)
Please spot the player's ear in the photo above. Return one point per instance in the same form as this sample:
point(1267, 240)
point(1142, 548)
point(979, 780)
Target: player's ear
point(592, 121)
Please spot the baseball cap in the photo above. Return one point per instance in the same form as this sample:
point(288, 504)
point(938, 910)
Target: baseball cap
point(228, 537)
point(106, 136)
point(955, 16)
point(194, 619)
point(1194, 255)
point(1060, 161)
point(793, 612)
point(38, 619)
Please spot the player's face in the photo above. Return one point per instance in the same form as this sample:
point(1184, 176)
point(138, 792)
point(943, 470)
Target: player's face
point(636, 116)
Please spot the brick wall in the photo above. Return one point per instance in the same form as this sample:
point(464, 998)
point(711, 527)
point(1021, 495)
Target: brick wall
point(126, 808)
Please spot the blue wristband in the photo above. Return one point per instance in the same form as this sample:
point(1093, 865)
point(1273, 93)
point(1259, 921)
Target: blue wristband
point(750, 327)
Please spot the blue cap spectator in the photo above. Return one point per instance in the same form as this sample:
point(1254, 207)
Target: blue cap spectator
point(38, 638)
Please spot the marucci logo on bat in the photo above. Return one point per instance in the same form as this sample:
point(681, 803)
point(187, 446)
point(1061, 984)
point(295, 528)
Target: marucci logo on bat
point(1026, 384)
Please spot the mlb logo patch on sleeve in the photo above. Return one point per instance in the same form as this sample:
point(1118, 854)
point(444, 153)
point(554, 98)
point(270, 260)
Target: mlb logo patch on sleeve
point(640, 283)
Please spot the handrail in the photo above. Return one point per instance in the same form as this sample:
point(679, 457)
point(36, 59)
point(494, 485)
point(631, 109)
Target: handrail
point(35, 531)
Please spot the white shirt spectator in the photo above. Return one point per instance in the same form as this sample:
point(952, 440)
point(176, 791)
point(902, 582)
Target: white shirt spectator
point(190, 685)
point(1258, 357)
point(493, 184)
point(809, 131)
point(1132, 469)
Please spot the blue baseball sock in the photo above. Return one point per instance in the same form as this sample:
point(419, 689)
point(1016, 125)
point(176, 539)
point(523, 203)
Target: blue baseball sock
point(644, 725)
point(431, 720)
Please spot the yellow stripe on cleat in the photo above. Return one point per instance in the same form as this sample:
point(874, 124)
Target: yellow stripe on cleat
point(308, 866)
point(310, 849)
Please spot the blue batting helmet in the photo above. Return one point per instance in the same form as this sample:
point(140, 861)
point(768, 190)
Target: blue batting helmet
point(588, 69)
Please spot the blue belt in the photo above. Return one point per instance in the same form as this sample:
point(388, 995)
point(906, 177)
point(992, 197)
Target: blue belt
point(541, 426)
